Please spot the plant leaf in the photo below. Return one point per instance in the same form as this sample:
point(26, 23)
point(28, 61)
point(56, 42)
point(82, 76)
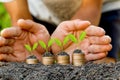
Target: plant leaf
point(72, 38)
point(58, 42)
point(34, 46)
point(28, 47)
point(66, 39)
point(82, 36)
point(50, 42)
point(42, 44)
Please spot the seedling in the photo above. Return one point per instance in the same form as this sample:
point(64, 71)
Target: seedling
point(47, 57)
point(31, 59)
point(78, 57)
point(62, 58)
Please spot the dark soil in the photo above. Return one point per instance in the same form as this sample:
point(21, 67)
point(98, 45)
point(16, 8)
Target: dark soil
point(47, 54)
point(89, 71)
point(77, 51)
point(62, 54)
point(32, 57)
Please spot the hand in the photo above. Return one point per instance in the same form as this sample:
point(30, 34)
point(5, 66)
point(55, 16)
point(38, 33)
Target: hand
point(13, 39)
point(95, 45)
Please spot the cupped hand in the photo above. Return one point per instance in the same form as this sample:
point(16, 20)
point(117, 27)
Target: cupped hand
point(95, 45)
point(13, 40)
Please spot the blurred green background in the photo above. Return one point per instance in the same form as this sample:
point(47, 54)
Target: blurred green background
point(4, 17)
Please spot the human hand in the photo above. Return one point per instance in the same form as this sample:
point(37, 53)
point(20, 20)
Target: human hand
point(95, 45)
point(13, 39)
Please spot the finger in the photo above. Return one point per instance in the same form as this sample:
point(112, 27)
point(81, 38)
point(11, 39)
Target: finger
point(95, 31)
point(6, 49)
point(99, 40)
point(9, 41)
point(31, 26)
point(74, 25)
point(96, 56)
point(7, 57)
point(99, 48)
point(11, 32)
point(4, 41)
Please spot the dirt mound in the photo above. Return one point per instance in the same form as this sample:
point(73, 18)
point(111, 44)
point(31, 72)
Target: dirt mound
point(89, 71)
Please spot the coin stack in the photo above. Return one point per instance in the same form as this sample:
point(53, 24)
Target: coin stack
point(48, 60)
point(63, 59)
point(32, 60)
point(78, 58)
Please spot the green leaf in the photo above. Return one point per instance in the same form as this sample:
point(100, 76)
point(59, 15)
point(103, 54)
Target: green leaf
point(82, 36)
point(58, 42)
point(72, 38)
point(50, 42)
point(43, 45)
point(28, 47)
point(34, 46)
point(66, 39)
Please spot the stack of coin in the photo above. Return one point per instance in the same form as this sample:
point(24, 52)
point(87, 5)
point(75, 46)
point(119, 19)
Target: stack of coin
point(78, 58)
point(63, 59)
point(48, 60)
point(32, 60)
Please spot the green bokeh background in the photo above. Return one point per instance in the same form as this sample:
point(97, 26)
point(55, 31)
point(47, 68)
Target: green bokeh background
point(4, 18)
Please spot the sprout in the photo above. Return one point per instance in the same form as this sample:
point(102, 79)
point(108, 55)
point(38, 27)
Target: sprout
point(29, 48)
point(82, 36)
point(60, 44)
point(44, 46)
point(74, 39)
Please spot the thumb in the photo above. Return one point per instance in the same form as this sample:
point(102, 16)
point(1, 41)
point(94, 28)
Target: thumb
point(30, 26)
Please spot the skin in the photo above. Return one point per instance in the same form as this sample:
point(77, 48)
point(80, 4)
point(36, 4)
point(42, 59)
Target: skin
point(91, 7)
point(95, 46)
point(89, 10)
point(18, 9)
point(30, 32)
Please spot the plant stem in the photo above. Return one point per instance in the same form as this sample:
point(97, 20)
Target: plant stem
point(62, 48)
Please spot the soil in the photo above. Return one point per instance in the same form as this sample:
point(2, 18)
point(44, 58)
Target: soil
point(32, 57)
point(62, 54)
point(47, 54)
point(77, 51)
point(89, 71)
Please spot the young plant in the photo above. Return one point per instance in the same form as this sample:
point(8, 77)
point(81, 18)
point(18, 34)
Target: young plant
point(70, 37)
point(44, 46)
point(62, 57)
point(65, 41)
point(31, 49)
point(78, 57)
point(31, 59)
point(79, 39)
point(47, 57)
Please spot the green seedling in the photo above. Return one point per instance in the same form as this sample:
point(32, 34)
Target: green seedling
point(44, 46)
point(62, 57)
point(65, 41)
point(75, 40)
point(78, 57)
point(47, 57)
point(70, 37)
point(30, 49)
point(82, 36)
point(31, 59)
